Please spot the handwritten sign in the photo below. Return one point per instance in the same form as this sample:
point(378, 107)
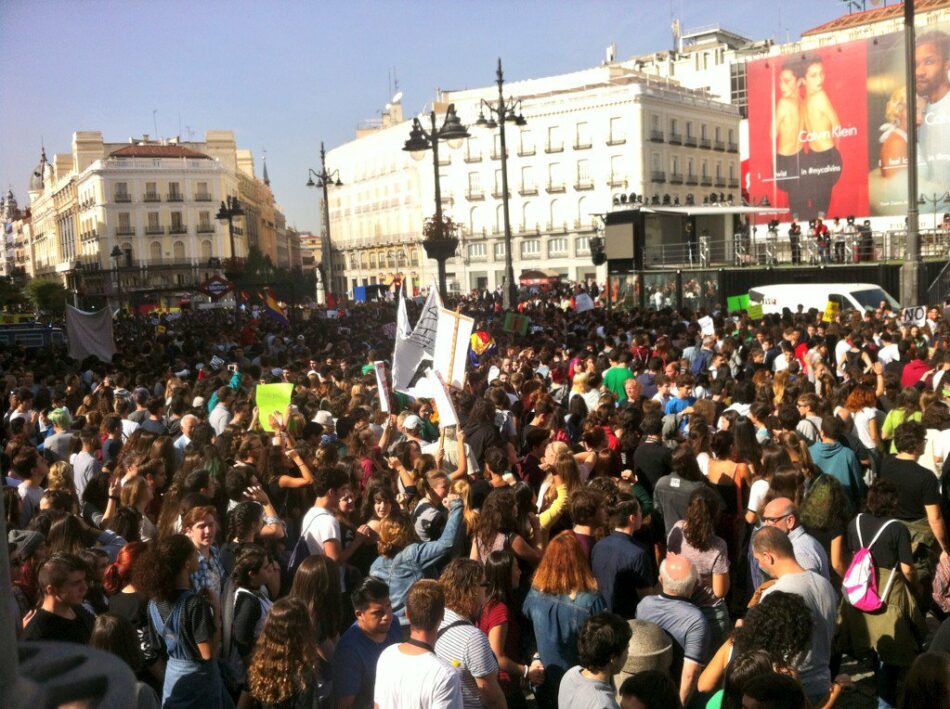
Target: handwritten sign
point(272, 399)
point(831, 311)
point(916, 315)
point(755, 311)
point(708, 327)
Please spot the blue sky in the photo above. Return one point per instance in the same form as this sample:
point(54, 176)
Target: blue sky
point(286, 75)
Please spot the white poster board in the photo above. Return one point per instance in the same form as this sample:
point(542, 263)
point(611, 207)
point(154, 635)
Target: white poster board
point(382, 386)
point(453, 335)
point(583, 303)
point(707, 325)
point(915, 315)
point(443, 401)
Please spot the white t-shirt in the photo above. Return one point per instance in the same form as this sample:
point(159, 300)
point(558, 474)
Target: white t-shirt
point(757, 495)
point(888, 353)
point(319, 527)
point(423, 681)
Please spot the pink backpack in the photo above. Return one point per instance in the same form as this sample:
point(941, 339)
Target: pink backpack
point(859, 584)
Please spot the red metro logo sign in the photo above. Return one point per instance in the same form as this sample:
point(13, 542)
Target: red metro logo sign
point(216, 287)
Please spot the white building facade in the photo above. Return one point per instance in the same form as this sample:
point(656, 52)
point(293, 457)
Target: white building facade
point(590, 136)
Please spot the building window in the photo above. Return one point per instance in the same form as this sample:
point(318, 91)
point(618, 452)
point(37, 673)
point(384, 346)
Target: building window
point(473, 151)
point(617, 132)
point(155, 251)
point(737, 88)
point(530, 248)
point(582, 137)
point(476, 250)
point(654, 122)
point(583, 173)
point(689, 167)
point(205, 250)
point(554, 176)
point(527, 142)
point(474, 184)
point(122, 192)
point(555, 142)
point(174, 192)
point(689, 129)
point(703, 132)
point(674, 126)
point(151, 192)
point(178, 250)
point(500, 250)
point(497, 191)
point(582, 245)
point(527, 180)
point(177, 227)
point(153, 225)
point(557, 247)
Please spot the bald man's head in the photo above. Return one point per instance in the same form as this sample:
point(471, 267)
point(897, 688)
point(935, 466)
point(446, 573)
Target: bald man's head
point(782, 513)
point(678, 576)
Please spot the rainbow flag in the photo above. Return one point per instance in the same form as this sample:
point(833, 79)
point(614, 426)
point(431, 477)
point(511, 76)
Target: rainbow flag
point(272, 307)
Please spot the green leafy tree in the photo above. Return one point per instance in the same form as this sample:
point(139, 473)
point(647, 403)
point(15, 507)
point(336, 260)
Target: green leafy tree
point(47, 296)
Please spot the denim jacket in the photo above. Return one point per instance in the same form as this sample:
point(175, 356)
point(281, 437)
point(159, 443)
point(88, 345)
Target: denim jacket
point(418, 560)
point(557, 621)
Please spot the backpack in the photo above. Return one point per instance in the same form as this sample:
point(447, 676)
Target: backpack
point(859, 584)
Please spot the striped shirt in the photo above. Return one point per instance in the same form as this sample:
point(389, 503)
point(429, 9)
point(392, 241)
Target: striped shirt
point(466, 647)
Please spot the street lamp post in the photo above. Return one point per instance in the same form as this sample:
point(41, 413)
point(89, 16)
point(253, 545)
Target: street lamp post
point(420, 140)
point(503, 111)
point(324, 179)
point(116, 255)
point(230, 210)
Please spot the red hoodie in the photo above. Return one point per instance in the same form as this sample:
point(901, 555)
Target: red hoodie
point(913, 371)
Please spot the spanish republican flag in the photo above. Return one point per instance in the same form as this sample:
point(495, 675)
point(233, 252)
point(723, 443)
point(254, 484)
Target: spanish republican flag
point(272, 307)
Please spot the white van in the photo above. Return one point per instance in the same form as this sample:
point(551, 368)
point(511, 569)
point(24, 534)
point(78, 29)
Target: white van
point(860, 296)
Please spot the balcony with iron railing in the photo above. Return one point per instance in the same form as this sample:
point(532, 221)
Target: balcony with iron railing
point(656, 136)
point(720, 182)
point(123, 197)
point(555, 188)
point(154, 230)
point(705, 143)
point(470, 158)
point(705, 181)
point(584, 184)
point(151, 197)
point(732, 146)
point(616, 140)
point(734, 182)
point(496, 154)
point(203, 197)
point(498, 194)
point(178, 229)
point(657, 176)
point(526, 151)
point(125, 231)
point(474, 195)
point(174, 197)
point(206, 228)
point(554, 148)
point(676, 138)
point(583, 145)
point(528, 190)
point(692, 179)
point(676, 178)
point(689, 141)
point(719, 145)
point(617, 180)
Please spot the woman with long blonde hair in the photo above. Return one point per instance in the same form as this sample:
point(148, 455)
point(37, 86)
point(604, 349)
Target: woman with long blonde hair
point(563, 478)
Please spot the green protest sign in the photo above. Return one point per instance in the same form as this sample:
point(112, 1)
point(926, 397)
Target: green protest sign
point(518, 324)
point(735, 303)
point(272, 399)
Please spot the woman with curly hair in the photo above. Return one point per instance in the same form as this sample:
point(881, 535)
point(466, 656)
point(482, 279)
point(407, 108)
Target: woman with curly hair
point(184, 623)
point(773, 625)
point(281, 675)
point(825, 513)
point(60, 477)
point(497, 528)
point(696, 539)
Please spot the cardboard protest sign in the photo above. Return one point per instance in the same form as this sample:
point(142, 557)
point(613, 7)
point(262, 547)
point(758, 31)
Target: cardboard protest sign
point(382, 386)
point(755, 311)
point(518, 324)
point(707, 325)
point(831, 311)
point(737, 302)
point(443, 401)
point(915, 315)
point(583, 303)
point(452, 339)
point(272, 399)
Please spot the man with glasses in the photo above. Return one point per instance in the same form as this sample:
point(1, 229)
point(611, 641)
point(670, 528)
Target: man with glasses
point(773, 550)
point(783, 514)
point(809, 427)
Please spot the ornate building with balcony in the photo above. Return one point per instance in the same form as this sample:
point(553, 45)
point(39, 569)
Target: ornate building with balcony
point(138, 218)
point(590, 135)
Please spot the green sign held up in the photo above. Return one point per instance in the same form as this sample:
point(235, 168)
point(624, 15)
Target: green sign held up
point(517, 324)
point(735, 303)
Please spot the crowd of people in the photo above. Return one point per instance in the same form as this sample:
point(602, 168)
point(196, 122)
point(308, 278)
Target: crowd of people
point(634, 511)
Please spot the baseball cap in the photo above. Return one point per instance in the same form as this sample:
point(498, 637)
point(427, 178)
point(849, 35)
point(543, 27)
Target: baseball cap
point(26, 542)
point(412, 422)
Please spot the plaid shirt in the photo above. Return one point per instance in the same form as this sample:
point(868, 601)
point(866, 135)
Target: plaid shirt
point(210, 573)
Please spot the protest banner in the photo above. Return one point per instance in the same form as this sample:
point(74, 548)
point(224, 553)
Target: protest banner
point(755, 311)
point(708, 327)
point(915, 315)
point(583, 303)
point(452, 341)
point(831, 311)
point(90, 334)
point(735, 303)
point(272, 399)
point(515, 323)
point(382, 386)
point(448, 416)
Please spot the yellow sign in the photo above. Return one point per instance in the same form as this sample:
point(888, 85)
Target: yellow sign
point(755, 311)
point(831, 311)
